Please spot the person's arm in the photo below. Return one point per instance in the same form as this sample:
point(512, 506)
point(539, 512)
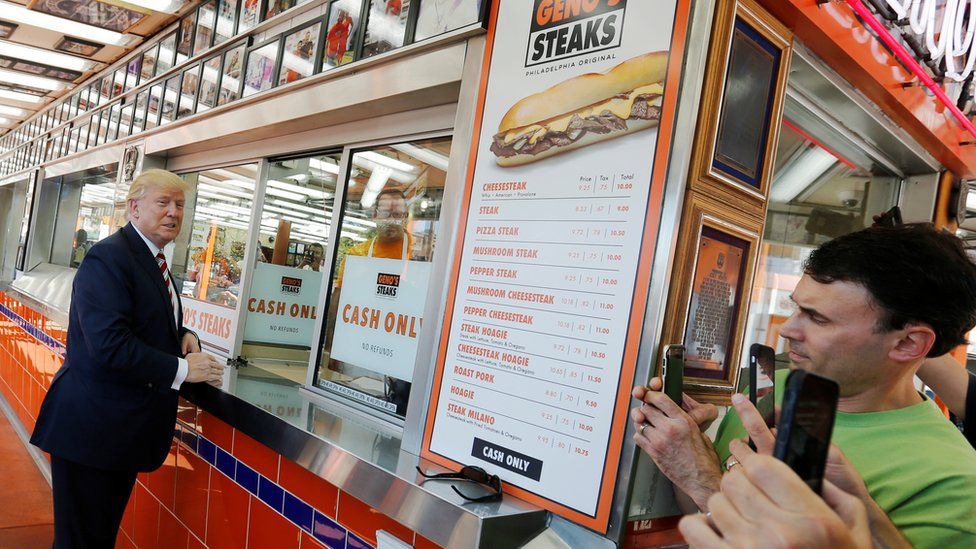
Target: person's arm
point(949, 380)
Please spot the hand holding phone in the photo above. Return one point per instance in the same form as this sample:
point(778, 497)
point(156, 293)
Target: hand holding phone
point(806, 424)
point(673, 372)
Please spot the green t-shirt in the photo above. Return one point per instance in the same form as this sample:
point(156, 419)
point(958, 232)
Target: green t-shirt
point(917, 466)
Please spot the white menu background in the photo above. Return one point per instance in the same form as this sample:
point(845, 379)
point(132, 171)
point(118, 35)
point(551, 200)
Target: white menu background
point(546, 281)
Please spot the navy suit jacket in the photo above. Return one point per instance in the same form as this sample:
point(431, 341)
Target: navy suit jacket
point(111, 405)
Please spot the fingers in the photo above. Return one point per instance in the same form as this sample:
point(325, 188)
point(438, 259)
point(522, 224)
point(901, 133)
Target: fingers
point(655, 384)
point(848, 507)
point(698, 533)
point(664, 403)
point(755, 425)
point(700, 413)
point(726, 517)
point(746, 497)
point(780, 484)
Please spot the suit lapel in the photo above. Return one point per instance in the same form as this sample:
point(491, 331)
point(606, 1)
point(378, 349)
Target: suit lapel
point(148, 263)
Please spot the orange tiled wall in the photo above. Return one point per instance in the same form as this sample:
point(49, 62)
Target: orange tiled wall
point(202, 495)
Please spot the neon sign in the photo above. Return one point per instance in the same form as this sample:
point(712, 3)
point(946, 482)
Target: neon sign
point(951, 39)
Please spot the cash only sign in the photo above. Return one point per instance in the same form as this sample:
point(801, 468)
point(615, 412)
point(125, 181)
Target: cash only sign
point(560, 217)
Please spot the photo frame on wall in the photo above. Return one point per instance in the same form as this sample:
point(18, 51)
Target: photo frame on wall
point(78, 46)
point(209, 84)
point(226, 27)
point(232, 70)
point(31, 67)
point(300, 52)
point(710, 291)
point(6, 29)
point(440, 16)
point(341, 33)
point(91, 12)
point(260, 69)
point(742, 102)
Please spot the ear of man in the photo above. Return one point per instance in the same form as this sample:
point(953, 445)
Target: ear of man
point(913, 344)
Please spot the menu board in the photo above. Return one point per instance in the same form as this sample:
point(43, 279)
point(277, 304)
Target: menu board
point(560, 217)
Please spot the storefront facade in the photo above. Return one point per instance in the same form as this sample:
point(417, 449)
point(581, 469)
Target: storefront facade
point(402, 272)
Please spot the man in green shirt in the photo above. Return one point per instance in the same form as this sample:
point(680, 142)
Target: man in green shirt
point(871, 306)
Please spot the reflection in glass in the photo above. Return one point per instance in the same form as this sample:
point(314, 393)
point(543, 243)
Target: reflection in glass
point(170, 97)
point(208, 84)
point(149, 63)
point(183, 47)
point(167, 51)
point(205, 26)
point(386, 27)
point(230, 81)
point(155, 100)
point(133, 70)
point(391, 214)
point(298, 57)
point(188, 91)
point(125, 121)
point(260, 72)
point(139, 114)
point(440, 16)
point(226, 21)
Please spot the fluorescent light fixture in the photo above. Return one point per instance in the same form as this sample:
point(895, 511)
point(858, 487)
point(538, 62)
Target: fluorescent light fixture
point(386, 161)
point(377, 180)
point(13, 111)
point(971, 201)
point(312, 193)
point(317, 164)
point(426, 156)
point(223, 190)
point(287, 211)
point(165, 6)
point(284, 194)
point(45, 57)
point(31, 80)
point(808, 166)
point(20, 14)
point(299, 207)
point(17, 96)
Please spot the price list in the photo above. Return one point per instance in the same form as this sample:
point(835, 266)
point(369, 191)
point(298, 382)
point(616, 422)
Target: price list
point(541, 311)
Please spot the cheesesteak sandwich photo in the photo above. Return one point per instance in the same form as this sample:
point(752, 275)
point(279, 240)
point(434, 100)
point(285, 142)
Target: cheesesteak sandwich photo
point(583, 110)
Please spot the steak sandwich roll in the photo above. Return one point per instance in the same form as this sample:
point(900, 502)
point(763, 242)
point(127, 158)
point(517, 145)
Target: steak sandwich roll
point(583, 110)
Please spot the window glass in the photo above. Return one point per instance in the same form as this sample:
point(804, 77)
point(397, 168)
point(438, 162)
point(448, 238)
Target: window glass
point(85, 207)
point(284, 301)
point(820, 191)
point(381, 271)
point(386, 26)
point(210, 250)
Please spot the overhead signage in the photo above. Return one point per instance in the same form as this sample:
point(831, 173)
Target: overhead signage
point(559, 224)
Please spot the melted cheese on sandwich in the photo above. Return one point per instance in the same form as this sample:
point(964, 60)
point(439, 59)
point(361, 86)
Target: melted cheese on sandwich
point(620, 107)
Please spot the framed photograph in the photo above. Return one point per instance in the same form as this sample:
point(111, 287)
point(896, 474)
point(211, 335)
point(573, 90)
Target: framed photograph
point(20, 88)
point(440, 16)
point(72, 141)
point(154, 102)
point(27, 66)
point(167, 53)
point(83, 136)
point(206, 21)
point(148, 69)
point(6, 62)
point(91, 12)
point(259, 72)
point(78, 46)
point(73, 106)
point(118, 82)
point(83, 104)
point(300, 52)
point(6, 29)
point(113, 122)
point(209, 84)
point(188, 92)
point(62, 74)
point(125, 120)
point(139, 113)
point(386, 27)
point(185, 45)
point(711, 284)
point(745, 87)
point(277, 6)
point(171, 95)
point(231, 81)
point(342, 29)
point(250, 14)
point(226, 28)
point(133, 70)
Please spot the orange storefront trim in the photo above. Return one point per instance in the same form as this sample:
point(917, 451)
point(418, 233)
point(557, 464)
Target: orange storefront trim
point(833, 31)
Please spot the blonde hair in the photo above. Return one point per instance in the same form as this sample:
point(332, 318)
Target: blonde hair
point(155, 179)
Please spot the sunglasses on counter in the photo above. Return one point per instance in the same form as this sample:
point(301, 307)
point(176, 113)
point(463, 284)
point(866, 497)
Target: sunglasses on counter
point(473, 474)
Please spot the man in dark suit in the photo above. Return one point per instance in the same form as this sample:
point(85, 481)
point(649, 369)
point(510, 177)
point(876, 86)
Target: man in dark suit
point(111, 409)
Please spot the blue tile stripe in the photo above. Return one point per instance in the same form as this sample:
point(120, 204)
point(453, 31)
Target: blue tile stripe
point(294, 509)
point(35, 332)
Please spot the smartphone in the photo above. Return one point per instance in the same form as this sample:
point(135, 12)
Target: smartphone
point(673, 372)
point(891, 218)
point(806, 425)
point(762, 391)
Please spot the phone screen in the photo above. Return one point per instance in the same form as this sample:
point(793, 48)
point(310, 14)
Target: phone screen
point(803, 438)
point(761, 389)
point(673, 373)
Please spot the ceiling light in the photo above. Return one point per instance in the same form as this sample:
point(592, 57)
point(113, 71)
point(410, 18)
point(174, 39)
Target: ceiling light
point(13, 111)
point(312, 193)
point(323, 166)
point(20, 14)
point(800, 173)
point(165, 6)
point(45, 57)
point(427, 156)
point(377, 180)
point(18, 96)
point(387, 161)
point(31, 80)
point(284, 194)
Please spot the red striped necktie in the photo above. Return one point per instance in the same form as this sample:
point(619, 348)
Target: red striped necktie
point(164, 269)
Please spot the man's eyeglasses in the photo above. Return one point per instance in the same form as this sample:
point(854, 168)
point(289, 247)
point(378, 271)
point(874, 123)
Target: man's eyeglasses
point(386, 214)
point(473, 474)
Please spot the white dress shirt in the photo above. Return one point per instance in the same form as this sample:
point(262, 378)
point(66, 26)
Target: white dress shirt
point(184, 367)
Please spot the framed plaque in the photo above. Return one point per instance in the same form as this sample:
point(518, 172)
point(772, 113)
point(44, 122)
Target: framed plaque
point(711, 284)
point(742, 103)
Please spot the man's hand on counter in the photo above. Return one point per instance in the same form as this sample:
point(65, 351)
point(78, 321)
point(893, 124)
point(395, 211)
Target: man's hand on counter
point(203, 367)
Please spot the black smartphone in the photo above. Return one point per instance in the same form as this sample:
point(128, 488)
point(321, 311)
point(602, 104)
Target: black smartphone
point(891, 218)
point(806, 424)
point(673, 372)
point(762, 390)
